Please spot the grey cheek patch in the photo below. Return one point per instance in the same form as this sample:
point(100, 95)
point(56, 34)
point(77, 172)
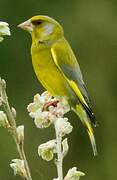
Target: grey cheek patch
point(48, 29)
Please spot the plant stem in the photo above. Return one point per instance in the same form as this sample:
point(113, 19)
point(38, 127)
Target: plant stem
point(13, 128)
point(59, 162)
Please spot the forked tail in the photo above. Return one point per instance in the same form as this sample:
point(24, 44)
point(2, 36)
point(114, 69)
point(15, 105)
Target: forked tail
point(80, 111)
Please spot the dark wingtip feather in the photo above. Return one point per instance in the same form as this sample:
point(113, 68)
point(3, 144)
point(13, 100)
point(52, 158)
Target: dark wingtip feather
point(90, 114)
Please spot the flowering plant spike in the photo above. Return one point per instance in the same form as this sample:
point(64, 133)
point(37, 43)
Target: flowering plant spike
point(8, 121)
point(47, 110)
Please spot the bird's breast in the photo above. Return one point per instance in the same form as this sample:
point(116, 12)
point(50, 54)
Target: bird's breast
point(47, 72)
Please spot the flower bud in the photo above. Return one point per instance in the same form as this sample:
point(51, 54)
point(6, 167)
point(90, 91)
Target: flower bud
point(19, 168)
point(20, 133)
point(4, 30)
point(3, 120)
point(65, 147)
point(14, 112)
point(0, 101)
point(47, 150)
point(73, 174)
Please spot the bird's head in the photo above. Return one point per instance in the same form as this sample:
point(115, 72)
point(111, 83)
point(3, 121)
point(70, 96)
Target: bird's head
point(42, 28)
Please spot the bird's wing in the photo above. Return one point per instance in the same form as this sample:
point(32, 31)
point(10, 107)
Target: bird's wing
point(66, 62)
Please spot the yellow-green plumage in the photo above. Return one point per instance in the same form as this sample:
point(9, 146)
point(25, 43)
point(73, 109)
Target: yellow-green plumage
point(57, 69)
point(46, 70)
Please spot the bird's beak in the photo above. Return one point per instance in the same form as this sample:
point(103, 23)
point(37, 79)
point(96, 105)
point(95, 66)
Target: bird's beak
point(27, 25)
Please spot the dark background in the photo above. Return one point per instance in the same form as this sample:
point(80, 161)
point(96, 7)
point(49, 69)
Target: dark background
point(91, 28)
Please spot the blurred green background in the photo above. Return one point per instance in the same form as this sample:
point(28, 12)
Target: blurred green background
point(91, 28)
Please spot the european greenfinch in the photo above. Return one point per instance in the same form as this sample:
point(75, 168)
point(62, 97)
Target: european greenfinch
point(57, 68)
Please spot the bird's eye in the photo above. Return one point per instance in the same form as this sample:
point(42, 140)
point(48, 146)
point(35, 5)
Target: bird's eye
point(36, 22)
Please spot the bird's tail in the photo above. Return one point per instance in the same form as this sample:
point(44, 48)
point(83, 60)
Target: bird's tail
point(80, 111)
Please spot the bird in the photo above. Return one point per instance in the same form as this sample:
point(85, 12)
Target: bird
point(58, 70)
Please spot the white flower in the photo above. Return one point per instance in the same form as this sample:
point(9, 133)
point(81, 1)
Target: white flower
point(33, 107)
point(4, 30)
point(63, 126)
point(42, 119)
point(47, 150)
point(73, 174)
point(38, 103)
point(3, 120)
point(20, 133)
point(62, 107)
point(45, 109)
point(36, 110)
point(18, 166)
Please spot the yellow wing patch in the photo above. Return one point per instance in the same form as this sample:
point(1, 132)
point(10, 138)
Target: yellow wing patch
point(72, 83)
point(77, 91)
